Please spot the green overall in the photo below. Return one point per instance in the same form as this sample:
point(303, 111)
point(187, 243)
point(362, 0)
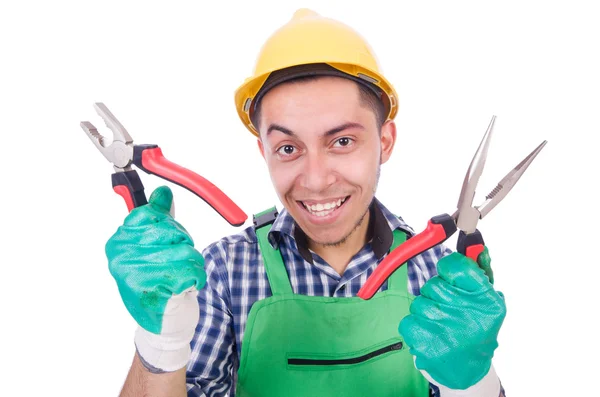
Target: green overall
point(298, 345)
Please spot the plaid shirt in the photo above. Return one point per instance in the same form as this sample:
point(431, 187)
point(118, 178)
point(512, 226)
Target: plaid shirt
point(236, 278)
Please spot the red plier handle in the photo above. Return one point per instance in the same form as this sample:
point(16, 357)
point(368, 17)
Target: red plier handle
point(471, 244)
point(439, 229)
point(128, 185)
point(150, 159)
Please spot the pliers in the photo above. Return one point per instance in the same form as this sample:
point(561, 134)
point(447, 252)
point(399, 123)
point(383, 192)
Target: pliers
point(122, 153)
point(440, 228)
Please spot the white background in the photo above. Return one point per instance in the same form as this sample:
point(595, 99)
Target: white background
point(168, 70)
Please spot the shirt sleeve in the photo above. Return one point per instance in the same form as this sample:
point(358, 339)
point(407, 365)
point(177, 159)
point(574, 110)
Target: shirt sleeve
point(211, 366)
point(424, 266)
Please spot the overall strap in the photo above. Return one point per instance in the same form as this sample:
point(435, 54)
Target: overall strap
point(274, 266)
point(398, 281)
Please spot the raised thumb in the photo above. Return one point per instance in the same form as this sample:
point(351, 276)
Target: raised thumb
point(162, 199)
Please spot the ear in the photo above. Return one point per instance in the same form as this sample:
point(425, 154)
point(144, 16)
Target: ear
point(261, 147)
point(388, 139)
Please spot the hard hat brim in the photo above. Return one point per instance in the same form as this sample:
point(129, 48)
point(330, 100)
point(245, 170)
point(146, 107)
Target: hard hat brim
point(255, 89)
point(310, 70)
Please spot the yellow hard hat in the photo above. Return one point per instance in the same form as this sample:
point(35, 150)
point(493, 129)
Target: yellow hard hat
point(307, 39)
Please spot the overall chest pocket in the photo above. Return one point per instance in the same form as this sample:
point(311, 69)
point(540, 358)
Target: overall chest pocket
point(327, 362)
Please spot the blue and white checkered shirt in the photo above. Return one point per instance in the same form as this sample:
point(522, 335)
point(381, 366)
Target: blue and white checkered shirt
point(236, 278)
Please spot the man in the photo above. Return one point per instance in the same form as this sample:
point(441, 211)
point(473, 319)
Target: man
point(272, 311)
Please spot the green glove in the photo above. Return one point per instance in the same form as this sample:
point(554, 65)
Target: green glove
point(158, 272)
point(453, 326)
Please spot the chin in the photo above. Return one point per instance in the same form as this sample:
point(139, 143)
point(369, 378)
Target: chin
point(332, 234)
point(325, 238)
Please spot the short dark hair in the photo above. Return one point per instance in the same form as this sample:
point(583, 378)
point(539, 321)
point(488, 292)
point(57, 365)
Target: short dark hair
point(366, 95)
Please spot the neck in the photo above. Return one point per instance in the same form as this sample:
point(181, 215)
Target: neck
point(338, 256)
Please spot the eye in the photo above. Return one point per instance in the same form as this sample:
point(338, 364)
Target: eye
point(343, 142)
point(286, 150)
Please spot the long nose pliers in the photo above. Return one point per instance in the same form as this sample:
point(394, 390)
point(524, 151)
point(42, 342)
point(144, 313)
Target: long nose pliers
point(440, 228)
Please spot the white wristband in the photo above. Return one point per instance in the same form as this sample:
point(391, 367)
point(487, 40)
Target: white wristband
point(488, 386)
point(160, 354)
point(170, 350)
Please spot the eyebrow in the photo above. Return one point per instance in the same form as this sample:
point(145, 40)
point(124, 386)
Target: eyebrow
point(277, 127)
point(342, 127)
point(333, 131)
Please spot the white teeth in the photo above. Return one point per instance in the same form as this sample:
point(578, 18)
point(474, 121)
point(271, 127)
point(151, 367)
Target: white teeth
point(324, 209)
point(322, 213)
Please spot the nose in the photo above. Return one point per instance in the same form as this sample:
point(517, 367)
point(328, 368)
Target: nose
point(317, 174)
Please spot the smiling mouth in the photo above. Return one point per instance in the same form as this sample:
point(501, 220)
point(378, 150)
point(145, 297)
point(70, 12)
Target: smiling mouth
point(324, 209)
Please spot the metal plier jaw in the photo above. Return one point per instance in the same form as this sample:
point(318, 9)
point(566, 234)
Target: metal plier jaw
point(123, 154)
point(120, 151)
point(465, 218)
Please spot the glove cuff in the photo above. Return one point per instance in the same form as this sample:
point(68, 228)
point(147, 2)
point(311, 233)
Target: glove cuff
point(488, 386)
point(160, 353)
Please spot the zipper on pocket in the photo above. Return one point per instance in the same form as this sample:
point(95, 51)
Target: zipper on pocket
point(346, 361)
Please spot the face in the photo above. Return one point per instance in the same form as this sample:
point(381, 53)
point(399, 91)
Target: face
point(323, 151)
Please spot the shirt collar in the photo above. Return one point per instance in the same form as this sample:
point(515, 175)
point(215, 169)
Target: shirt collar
point(381, 225)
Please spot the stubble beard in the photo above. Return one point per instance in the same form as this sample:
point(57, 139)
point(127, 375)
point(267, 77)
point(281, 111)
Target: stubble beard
point(360, 220)
point(346, 237)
